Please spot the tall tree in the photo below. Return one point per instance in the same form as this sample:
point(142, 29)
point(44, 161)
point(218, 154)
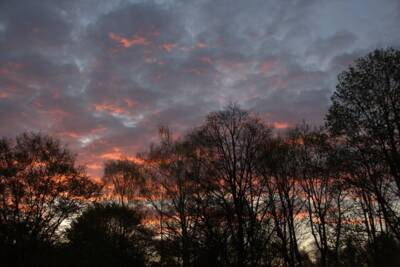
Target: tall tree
point(229, 141)
point(173, 171)
point(280, 171)
point(365, 112)
point(40, 187)
point(322, 187)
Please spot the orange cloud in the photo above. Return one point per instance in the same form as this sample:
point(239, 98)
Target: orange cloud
point(94, 166)
point(201, 45)
point(116, 154)
point(128, 42)
point(130, 103)
point(168, 47)
point(281, 125)
point(4, 95)
point(72, 134)
point(112, 155)
point(107, 107)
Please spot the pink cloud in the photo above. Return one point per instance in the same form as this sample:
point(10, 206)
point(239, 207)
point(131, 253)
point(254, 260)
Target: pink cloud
point(128, 42)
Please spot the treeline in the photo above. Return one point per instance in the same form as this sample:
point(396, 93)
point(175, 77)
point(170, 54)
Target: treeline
point(231, 192)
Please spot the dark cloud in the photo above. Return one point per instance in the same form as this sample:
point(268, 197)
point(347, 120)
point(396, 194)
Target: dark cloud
point(104, 75)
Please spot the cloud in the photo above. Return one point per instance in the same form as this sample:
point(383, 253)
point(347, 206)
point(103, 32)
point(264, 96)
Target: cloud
point(103, 77)
point(128, 42)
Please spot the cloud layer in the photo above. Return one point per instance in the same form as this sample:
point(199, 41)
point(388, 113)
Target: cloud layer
point(104, 75)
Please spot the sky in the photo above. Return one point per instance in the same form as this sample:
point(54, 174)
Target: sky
point(104, 75)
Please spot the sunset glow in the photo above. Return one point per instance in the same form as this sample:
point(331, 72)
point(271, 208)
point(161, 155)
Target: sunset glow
point(170, 133)
point(165, 65)
point(128, 42)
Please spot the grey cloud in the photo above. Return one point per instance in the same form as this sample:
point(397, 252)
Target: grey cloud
point(103, 75)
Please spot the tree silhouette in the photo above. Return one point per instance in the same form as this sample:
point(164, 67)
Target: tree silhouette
point(107, 235)
point(40, 187)
point(279, 169)
point(227, 144)
point(365, 113)
point(230, 192)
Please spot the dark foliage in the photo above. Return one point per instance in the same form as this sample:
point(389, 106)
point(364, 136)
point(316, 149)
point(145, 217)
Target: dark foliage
point(107, 235)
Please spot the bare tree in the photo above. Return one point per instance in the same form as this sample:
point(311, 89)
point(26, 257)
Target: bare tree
point(366, 114)
point(125, 178)
point(323, 191)
point(40, 187)
point(229, 141)
point(280, 171)
point(173, 171)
